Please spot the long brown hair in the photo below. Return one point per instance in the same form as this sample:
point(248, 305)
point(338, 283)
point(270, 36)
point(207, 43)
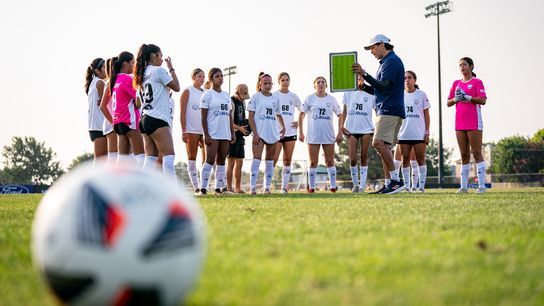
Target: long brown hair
point(261, 76)
point(97, 63)
point(142, 60)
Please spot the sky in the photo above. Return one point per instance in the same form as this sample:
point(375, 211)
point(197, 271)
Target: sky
point(47, 46)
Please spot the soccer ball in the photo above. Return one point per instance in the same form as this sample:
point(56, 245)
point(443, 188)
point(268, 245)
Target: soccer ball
point(118, 236)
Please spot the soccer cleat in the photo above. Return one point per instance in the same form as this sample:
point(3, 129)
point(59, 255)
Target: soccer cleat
point(414, 189)
point(284, 191)
point(355, 189)
point(333, 190)
point(311, 190)
point(462, 190)
point(252, 191)
point(197, 191)
point(224, 189)
point(217, 191)
point(265, 191)
point(422, 190)
point(203, 191)
point(379, 191)
point(394, 187)
point(480, 190)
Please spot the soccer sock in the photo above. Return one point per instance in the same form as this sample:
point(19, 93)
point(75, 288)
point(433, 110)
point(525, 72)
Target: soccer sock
point(122, 159)
point(363, 172)
point(397, 164)
point(354, 174)
point(465, 168)
point(415, 173)
point(112, 159)
point(312, 173)
point(285, 176)
point(480, 169)
point(219, 176)
point(150, 162)
point(268, 173)
point(387, 182)
point(193, 173)
point(140, 160)
point(422, 176)
point(205, 175)
point(394, 175)
point(332, 176)
point(254, 173)
point(406, 176)
point(168, 166)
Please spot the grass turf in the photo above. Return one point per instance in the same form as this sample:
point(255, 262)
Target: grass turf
point(438, 248)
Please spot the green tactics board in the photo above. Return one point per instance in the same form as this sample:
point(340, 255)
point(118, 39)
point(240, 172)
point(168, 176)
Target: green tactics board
point(342, 78)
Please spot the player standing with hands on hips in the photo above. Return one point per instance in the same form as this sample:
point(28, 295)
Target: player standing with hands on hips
point(468, 94)
point(388, 89)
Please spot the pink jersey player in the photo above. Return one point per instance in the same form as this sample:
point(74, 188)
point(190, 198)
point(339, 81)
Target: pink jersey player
point(122, 98)
point(468, 116)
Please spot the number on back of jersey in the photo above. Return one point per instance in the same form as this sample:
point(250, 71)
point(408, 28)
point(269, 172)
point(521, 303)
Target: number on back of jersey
point(146, 95)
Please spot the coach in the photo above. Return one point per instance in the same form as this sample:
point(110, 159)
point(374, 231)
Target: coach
point(388, 88)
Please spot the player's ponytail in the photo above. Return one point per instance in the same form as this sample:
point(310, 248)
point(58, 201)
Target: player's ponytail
point(261, 76)
point(117, 64)
point(97, 63)
point(109, 67)
point(470, 62)
point(142, 60)
point(414, 76)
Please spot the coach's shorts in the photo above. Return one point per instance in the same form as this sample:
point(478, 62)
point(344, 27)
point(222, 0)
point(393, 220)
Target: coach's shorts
point(411, 142)
point(387, 129)
point(96, 134)
point(148, 124)
point(121, 128)
point(288, 138)
point(236, 150)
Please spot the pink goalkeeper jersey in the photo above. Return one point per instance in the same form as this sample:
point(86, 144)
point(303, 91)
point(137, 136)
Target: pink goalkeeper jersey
point(122, 99)
point(468, 116)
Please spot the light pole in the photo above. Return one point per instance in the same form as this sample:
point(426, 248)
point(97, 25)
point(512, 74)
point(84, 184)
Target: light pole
point(437, 9)
point(230, 71)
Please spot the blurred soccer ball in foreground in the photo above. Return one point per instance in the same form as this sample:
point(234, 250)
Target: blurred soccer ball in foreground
point(118, 237)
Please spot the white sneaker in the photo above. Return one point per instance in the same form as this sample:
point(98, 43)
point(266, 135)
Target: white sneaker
point(480, 190)
point(462, 190)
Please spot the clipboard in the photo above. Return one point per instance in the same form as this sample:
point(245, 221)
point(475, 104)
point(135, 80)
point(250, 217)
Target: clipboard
point(341, 76)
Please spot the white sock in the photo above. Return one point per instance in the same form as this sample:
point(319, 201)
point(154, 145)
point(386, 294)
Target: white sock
point(354, 174)
point(406, 177)
point(285, 176)
point(394, 175)
point(332, 176)
point(312, 173)
point(122, 159)
point(268, 173)
point(480, 169)
point(193, 173)
point(465, 168)
point(168, 166)
point(219, 176)
point(150, 162)
point(422, 177)
point(415, 173)
point(112, 159)
point(363, 172)
point(205, 175)
point(140, 158)
point(397, 164)
point(254, 173)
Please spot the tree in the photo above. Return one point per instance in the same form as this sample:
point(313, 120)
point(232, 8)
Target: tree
point(80, 159)
point(433, 158)
point(29, 161)
point(518, 154)
point(538, 137)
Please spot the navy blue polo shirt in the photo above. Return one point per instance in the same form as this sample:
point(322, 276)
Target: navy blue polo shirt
point(390, 100)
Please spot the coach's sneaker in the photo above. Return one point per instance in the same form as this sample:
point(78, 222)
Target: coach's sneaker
point(355, 189)
point(379, 191)
point(462, 190)
point(480, 190)
point(394, 187)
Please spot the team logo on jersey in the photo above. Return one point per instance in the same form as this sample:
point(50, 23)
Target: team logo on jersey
point(365, 99)
point(416, 102)
point(469, 86)
point(328, 104)
point(291, 102)
point(195, 107)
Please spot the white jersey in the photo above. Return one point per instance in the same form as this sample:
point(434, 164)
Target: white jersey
point(171, 114)
point(107, 127)
point(95, 115)
point(359, 107)
point(219, 108)
point(413, 126)
point(288, 102)
point(265, 109)
point(193, 115)
point(319, 112)
point(154, 93)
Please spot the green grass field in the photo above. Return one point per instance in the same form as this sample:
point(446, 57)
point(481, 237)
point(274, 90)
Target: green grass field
point(438, 248)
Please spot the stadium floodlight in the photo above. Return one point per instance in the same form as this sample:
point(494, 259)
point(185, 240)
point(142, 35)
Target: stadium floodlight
point(230, 71)
point(437, 9)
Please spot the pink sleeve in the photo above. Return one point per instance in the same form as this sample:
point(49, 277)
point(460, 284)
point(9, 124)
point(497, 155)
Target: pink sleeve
point(480, 90)
point(131, 91)
point(452, 90)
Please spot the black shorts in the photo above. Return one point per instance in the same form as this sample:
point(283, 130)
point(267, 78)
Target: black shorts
point(288, 138)
point(236, 150)
point(358, 136)
point(410, 142)
point(148, 124)
point(96, 134)
point(121, 128)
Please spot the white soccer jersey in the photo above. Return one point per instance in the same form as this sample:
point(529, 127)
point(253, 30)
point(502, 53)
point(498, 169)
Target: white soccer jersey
point(219, 108)
point(193, 115)
point(171, 114)
point(95, 115)
point(319, 112)
point(360, 106)
point(265, 109)
point(413, 126)
point(288, 103)
point(154, 94)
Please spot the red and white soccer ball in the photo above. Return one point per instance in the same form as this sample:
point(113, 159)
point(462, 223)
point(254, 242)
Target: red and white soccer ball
point(118, 237)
